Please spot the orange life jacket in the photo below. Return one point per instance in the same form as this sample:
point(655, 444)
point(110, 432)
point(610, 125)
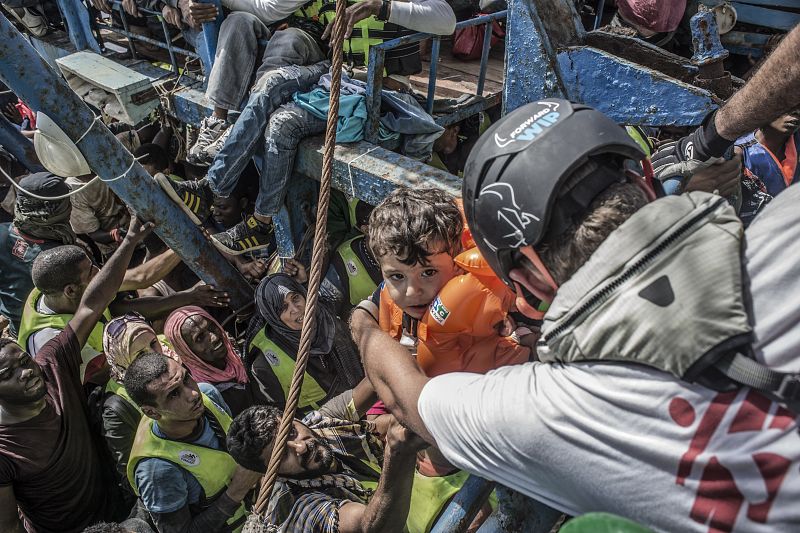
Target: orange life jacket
point(457, 333)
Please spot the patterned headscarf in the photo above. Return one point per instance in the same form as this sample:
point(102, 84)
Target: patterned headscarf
point(44, 219)
point(269, 298)
point(202, 371)
point(117, 347)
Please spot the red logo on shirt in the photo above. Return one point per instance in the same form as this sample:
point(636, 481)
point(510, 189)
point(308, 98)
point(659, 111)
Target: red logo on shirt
point(718, 499)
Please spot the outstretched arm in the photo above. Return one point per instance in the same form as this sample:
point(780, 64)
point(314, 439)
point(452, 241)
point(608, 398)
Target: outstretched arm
point(395, 375)
point(149, 272)
point(104, 285)
point(771, 92)
point(387, 510)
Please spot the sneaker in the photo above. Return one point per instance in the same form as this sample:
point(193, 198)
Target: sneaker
point(194, 197)
point(31, 19)
point(246, 236)
point(212, 129)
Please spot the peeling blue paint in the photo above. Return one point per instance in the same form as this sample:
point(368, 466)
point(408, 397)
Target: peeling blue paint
point(630, 93)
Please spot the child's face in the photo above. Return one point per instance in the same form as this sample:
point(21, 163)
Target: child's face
point(413, 287)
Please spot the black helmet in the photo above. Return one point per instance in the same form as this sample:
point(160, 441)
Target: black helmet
point(516, 181)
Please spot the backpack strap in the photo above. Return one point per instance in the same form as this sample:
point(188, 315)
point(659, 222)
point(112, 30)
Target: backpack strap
point(782, 387)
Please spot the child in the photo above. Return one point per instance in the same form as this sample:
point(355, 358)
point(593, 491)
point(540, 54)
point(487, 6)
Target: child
point(769, 157)
point(416, 236)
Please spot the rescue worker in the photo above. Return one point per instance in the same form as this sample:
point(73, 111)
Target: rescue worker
point(637, 293)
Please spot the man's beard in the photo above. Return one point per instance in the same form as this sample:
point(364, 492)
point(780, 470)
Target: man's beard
point(320, 451)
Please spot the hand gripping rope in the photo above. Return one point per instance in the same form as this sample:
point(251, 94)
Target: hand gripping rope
point(255, 522)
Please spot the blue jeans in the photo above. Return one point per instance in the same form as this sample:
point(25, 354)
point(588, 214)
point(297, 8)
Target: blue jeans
point(251, 134)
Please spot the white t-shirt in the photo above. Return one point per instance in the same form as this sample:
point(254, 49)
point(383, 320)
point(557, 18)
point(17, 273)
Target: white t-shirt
point(638, 442)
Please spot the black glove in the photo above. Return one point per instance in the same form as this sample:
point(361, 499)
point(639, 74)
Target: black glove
point(679, 160)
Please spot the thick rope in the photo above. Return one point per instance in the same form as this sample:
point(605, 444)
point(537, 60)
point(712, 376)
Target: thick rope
point(317, 260)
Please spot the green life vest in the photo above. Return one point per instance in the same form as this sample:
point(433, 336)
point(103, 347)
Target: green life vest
point(213, 469)
point(353, 272)
point(115, 388)
point(283, 366)
point(33, 321)
point(404, 59)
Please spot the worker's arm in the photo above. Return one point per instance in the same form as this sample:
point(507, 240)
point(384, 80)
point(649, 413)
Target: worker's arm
point(103, 287)
point(155, 307)
point(9, 515)
point(395, 375)
point(387, 510)
point(772, 91)
point(426, 16)
point(267, 11)
point(150, 272)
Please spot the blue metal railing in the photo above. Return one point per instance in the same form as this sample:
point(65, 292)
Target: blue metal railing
point(377, 58)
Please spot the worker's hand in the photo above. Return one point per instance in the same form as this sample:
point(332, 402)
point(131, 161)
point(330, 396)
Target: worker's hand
point(355, 13)
point(253, 270)
point(138, 230)
point(101, 5)
point(722, 177)
point(207, 296)
point(681, 159)
point(130, 7)
point(400, 439)
point(172, 15)
point(242, 482)
point(296, 270)
point(200, 13)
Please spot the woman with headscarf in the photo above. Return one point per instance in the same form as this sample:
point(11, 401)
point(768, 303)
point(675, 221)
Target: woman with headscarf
point(273, 341)
point(209, 354)
point(125, 338)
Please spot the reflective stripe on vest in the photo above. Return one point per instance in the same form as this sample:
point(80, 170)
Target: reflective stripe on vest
point(115, 388)
point(213, 469)
point(359, 283)
point(283, 366)
point(33, 321)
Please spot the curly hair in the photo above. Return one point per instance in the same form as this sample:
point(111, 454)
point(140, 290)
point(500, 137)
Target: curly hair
point(250, 433)
point(413, 224)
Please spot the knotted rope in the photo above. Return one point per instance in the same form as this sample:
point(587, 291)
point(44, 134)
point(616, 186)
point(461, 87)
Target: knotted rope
point(317, 260)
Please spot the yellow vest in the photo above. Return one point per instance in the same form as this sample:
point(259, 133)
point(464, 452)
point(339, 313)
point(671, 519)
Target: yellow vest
point(283, 367)
point(33, 321)
point(213, 469)
point(367, 32)
point(429, 496)
point(115, 388)
point(359, 283)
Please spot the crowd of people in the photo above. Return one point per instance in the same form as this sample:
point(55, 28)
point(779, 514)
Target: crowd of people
point(608, 332)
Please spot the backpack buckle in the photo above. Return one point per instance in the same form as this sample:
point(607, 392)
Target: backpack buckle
point(790, 387)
